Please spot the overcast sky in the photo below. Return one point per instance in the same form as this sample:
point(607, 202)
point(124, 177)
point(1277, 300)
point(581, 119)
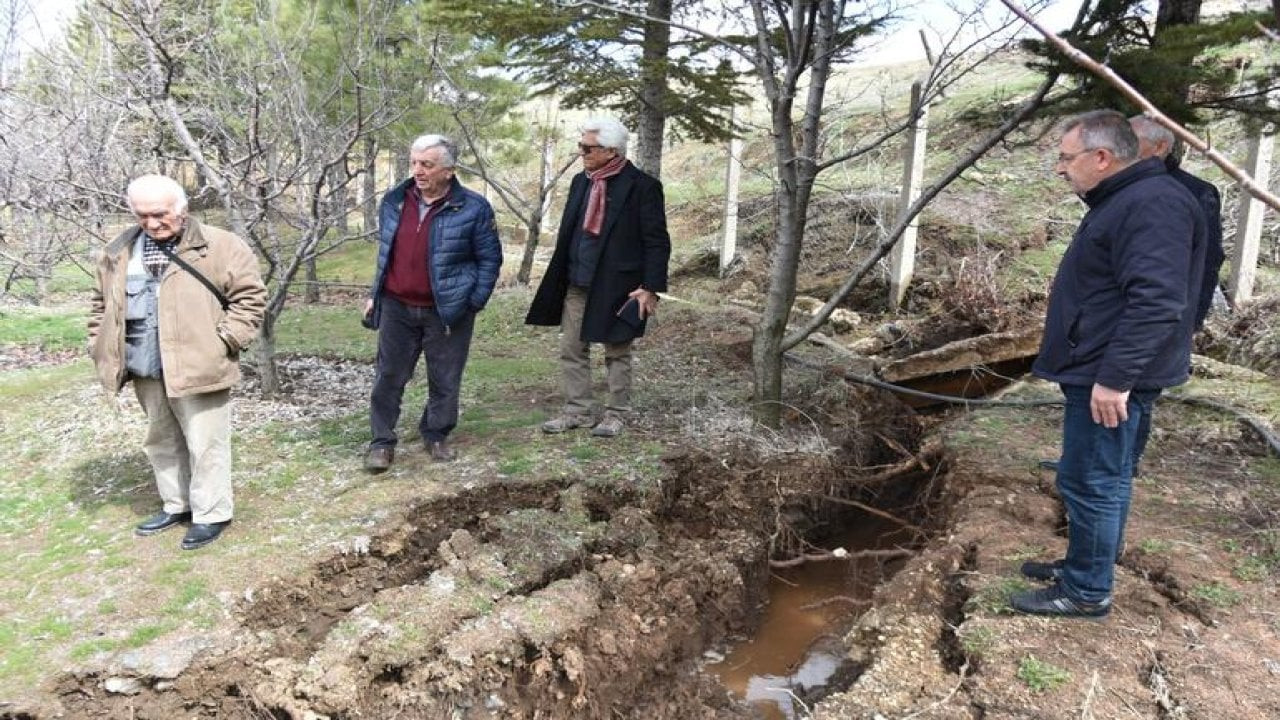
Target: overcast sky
point(47, 18)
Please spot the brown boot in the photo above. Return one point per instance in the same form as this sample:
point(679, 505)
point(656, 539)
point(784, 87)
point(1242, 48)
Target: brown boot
point(609, 426)
point(378, 459)
point(565, 423)
point(441, 451)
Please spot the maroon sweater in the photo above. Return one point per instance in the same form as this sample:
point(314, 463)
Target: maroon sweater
point(409, 273)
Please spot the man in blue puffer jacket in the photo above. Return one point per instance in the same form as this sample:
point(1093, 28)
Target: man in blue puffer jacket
point(438, 261)
point(1117, 331)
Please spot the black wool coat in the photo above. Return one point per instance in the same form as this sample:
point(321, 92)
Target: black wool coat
point(636, 250)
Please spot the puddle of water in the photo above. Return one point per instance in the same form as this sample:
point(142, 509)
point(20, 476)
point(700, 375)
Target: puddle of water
point(810, 607)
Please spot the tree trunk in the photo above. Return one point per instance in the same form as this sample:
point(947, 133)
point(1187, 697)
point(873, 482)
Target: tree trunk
point(311, 295)
point(797, 170)
point(1172, 13)
point(532, 229)
point(653, 89)
point(265, 351)
point(340, 197)
point(370, 205)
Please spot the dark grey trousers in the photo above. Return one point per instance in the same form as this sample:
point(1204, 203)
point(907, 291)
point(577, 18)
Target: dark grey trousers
point(405, 333)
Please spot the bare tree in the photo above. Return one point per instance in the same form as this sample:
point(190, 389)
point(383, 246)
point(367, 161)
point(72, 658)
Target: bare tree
point(796, 47)
point(271, 139)
point(530, 208)
point(65, 148)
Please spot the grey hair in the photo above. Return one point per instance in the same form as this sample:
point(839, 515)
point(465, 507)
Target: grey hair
point(1153, 132)
point(609, 132)
point(159, 185)
point(426, 142)
point(1105, 130)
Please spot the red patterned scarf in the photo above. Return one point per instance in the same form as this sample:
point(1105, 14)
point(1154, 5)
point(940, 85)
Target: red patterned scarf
point(593, 221)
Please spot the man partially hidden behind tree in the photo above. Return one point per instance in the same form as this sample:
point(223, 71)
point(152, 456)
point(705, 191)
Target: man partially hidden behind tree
point(603, 281)
point(176, 302)
point(1118, 330)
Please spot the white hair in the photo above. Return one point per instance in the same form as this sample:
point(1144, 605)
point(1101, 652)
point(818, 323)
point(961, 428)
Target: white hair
point(157, 185)
point(609, 133)
point(426, 142)
point(1153, 132)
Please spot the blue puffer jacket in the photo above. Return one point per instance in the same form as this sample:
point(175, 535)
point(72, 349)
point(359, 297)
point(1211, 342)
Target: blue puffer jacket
point(1123, 305)
point(465, 254)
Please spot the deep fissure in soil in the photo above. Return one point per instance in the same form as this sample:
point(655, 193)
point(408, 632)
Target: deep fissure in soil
point(544, 598)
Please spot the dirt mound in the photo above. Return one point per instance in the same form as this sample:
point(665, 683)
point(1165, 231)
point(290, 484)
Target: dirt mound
point(1249, 336)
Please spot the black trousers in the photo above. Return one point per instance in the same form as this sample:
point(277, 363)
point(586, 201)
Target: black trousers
point(405, 333)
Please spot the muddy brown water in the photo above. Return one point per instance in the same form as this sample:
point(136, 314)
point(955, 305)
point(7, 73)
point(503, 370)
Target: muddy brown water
point(796, 651)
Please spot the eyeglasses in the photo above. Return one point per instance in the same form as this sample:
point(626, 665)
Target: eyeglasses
point(585, 148)
point(1064, 158)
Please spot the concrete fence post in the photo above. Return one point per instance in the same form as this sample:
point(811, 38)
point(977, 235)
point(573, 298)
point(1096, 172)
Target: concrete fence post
point(733, 172)
point(1244, 259)
point(903, 258)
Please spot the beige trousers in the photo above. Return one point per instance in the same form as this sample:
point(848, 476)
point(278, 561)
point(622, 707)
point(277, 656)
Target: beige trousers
point(575, 362)
point(189, 446)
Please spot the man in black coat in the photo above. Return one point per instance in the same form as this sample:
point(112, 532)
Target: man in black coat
point(602, 285)
point(1117, 331)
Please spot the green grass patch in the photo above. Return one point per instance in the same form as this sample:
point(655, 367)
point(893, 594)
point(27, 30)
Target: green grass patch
point(326, 331)
point(352, 263)
point(1041, 676)
point(1025, 553)
point(586, 451)
point(1253, 568)
point(993, 599)
point(143, 635)
point(1217, 594)
point(59, 329)
point(37, 382)
point(519, 462)
point(979, 641)
point(1153, 546)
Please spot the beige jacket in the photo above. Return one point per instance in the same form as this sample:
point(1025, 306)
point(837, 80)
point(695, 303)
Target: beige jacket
point(199, 343)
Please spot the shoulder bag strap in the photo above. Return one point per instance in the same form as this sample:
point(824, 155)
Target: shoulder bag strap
point(168, 251)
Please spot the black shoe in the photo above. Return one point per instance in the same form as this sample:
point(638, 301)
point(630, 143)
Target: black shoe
point(1049, 465)
point(160, 522)
point(202, 534)
point(1043, 570)
point(1053, 600)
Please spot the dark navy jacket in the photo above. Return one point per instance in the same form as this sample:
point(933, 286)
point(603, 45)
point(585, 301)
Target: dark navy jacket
point(1122, 310)
point(1211, 204)
point(464, 256)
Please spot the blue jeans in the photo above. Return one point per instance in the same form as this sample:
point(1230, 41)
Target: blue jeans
point(406, 332)
point(1144, 431)
point(1095, 477)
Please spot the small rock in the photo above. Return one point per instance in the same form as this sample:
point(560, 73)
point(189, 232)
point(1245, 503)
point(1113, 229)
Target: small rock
point(843, 321)
point(122, 685)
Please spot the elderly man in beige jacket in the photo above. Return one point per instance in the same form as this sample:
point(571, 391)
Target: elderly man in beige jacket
point(176, 302)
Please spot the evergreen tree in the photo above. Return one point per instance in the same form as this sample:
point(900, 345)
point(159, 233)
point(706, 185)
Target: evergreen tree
point(1182, 63)
point(627, 62)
